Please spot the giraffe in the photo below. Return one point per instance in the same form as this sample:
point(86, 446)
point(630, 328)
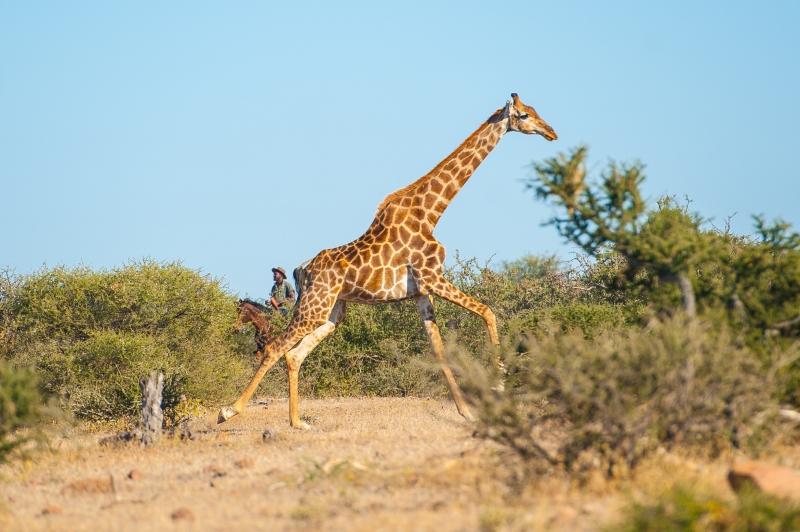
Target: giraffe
point(397, 258)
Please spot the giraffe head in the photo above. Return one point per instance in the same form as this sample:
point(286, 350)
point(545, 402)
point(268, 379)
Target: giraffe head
point(525, 119)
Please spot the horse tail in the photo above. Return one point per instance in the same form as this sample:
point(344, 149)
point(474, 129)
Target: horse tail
point(300, 278)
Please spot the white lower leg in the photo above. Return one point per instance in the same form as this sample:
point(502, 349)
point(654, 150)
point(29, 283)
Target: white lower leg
point(294, 358)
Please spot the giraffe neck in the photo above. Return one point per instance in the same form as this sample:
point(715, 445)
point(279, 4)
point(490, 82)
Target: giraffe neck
point(430, 195)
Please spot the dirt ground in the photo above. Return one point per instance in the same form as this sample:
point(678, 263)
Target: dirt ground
point(367, 464)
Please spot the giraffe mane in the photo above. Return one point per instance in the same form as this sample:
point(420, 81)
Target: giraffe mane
point(397, 194)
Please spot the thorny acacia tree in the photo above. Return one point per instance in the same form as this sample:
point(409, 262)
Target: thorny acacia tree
point(758, 279)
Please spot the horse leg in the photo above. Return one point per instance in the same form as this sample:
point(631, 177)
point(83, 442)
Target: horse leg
point(296, 355)
point(425, 308)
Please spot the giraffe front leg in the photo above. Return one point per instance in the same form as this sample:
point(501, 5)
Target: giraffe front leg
point(296, 356)
point(425, 308)
point(444, 289)
point(274, 351)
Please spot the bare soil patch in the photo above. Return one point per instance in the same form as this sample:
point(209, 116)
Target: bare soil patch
point(367, 464)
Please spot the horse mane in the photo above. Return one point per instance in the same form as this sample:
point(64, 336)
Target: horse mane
point(259, 306)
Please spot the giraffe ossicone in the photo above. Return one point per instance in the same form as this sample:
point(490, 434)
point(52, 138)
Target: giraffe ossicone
point(397, 258)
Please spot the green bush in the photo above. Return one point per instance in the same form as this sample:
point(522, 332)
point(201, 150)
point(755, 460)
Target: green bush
point(92, 334)
point(609, 401)
point(672, 257)
point(683, 508)
point(20, 408)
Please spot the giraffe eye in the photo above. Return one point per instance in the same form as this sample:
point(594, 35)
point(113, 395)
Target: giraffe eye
point(523, 116)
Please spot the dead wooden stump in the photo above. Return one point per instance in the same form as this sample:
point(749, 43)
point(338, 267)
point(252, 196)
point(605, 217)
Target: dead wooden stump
point(152, 415)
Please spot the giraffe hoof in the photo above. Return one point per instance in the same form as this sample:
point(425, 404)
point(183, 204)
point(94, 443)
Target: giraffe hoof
point(467, 415)
point(225, 414)
point(301, 425)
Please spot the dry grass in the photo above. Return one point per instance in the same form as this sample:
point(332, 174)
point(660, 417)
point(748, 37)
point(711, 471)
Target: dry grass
point(368, 464)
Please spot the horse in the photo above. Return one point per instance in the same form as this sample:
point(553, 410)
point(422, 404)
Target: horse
point(252, 312)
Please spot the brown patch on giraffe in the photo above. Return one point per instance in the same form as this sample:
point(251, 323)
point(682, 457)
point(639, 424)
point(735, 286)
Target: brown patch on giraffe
point(386, 254)
point(388, 277)
point(436, 186)
point(429, 201)
point(363, 274)
point(404, 234)
point(375, 281)
point(417, 242)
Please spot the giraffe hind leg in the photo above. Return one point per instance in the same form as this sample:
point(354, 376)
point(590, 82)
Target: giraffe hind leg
point(425, 308)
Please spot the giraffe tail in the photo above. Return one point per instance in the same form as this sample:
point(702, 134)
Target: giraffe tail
point(300, 277)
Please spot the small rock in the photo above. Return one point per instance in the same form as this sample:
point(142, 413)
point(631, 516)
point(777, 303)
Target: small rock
point(269, 435)
point(52, 509)
point(183, 513)
point(244, 463)
point(771, 479)
point(135, 474)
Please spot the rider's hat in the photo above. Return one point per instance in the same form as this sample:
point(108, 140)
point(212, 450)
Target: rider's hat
point(280, 271)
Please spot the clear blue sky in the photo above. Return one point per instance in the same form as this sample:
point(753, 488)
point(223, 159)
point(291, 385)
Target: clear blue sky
point(237, 136)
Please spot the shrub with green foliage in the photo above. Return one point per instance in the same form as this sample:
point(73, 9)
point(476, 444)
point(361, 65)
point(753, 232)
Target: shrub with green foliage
point(669, 259)
point(92, 334)
point(610, 400)
point(20, 408)
point(683, 508)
